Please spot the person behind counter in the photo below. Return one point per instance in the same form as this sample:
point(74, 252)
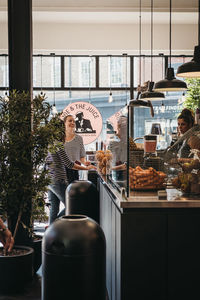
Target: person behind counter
point(74, 147)
point(185, 122)
point(6, 237)
point(58, 162)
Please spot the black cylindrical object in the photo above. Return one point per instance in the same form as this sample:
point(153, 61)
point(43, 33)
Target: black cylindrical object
point(82, 198)
point(73, 260)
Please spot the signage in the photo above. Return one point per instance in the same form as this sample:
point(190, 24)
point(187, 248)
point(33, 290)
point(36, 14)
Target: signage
point(88, 120)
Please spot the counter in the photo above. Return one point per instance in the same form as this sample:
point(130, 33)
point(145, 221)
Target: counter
point(151, 199)
point(153, 246)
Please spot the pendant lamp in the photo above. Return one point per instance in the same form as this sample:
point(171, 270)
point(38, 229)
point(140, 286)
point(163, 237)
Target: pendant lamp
point(191, 69)
point(170, 83)
point(137, 101)
point(89, 67)
point(54, 109)
point(110, 99)
point(150, 94)
point(41, 92)
point(6, 80)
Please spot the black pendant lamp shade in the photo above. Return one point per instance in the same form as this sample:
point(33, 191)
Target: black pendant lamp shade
point(191, 69)
point(170, 83)
point(150, 94)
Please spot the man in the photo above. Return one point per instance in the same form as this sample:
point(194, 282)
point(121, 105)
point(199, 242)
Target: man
point(82, 125)
point(6, 237)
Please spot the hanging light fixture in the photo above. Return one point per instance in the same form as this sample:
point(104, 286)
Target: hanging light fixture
point(41, 92)
point(89, 62)
point(6, 80)
point(110, 99)
point(150, 94)
point(170, 83)
point(191, 69)
point(162, 107)
point(54, 109)
point(126, 69)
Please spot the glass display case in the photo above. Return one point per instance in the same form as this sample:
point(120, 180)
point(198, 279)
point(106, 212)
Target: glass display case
point(139, 164)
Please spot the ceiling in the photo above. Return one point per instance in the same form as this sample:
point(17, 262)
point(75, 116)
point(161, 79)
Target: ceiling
point(109, 11)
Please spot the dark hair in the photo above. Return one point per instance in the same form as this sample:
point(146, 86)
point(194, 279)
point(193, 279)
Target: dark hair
point(187, 115)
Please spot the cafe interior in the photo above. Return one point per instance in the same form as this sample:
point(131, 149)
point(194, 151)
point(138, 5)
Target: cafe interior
point(128, 74)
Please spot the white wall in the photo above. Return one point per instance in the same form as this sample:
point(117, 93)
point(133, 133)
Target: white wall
point(69, 38)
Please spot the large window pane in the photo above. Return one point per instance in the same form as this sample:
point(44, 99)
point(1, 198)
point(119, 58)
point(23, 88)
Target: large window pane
point(114, 71)
point(80, 72)
point(4, 71)
point(166, 116)
point(145, 64)
point(46, 71)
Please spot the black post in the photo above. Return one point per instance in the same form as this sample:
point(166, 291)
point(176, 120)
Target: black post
point(20, 79)
point(20, 45)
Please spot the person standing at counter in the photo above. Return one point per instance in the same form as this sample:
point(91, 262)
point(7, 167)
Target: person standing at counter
point(74, 147)
point(58, 162)
point(185, 122)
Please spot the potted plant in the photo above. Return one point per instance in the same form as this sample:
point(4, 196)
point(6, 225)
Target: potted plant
point(24, 146)
point(192, 100)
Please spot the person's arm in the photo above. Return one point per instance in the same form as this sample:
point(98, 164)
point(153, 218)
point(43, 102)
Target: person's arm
point(84, 161)
point(79, 167)
point(69, 164)
point(6, 237)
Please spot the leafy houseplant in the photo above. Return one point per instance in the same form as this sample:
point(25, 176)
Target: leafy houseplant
point(26, 133)
point(192, 100)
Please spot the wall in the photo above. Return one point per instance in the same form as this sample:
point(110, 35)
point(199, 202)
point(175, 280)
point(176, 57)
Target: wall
point(69, 38)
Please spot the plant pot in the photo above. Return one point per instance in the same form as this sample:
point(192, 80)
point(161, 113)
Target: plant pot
point(37, 256)
point(16, 271)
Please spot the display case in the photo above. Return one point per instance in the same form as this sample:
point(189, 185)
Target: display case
point(139, 165)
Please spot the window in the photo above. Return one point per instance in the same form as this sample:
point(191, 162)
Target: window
point(115, 71)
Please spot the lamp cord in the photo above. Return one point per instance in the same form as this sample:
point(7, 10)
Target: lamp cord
point(54, 72)
point(140, 41)
point(41, 74)
point(90, 79)
point(110, 74)
point(199, 24)
point(6, 81)
point(151, 40)
point(170, 34)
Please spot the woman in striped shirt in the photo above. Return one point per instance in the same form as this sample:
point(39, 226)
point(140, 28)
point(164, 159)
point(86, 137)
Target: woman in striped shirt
point(74, 146)
point(58, 162)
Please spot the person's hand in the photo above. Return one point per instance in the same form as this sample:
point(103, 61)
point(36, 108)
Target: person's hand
point(87, 163)
point(7, 240)
point(91, 167)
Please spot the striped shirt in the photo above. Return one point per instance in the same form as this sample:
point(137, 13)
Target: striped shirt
point(57, 164)
point(75, 148)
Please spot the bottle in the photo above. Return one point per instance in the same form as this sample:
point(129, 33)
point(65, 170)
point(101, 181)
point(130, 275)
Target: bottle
point(197, 116)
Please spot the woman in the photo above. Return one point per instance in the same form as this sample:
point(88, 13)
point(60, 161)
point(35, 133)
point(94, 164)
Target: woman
point(74, 147)
point(58, 162)
point(185, 122)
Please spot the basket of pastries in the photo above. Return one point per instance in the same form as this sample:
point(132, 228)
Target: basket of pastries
point(146, 179)
point(104, 159)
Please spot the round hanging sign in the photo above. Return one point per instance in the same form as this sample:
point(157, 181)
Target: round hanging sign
point(88, 120)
